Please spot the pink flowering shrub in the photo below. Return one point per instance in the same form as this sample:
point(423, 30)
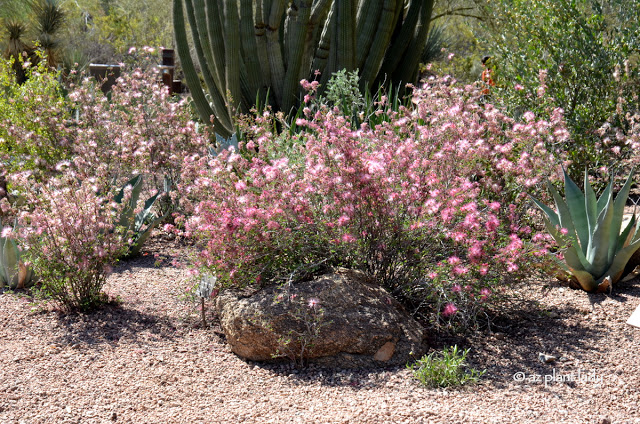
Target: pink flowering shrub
point(429, 200)
point(138, 129)
point(71, 240)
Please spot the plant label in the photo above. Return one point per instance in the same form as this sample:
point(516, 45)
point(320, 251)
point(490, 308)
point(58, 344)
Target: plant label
point(634, 319)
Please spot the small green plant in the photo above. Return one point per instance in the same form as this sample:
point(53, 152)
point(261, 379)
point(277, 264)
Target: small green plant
point(597, 250)
point(445, 369)
point(343, 92)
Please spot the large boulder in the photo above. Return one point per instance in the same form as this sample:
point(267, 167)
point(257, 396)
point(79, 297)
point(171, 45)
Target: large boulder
point(358, 323)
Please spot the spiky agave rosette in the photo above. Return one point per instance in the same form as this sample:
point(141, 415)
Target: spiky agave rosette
point(597, 250)
point(14, 272)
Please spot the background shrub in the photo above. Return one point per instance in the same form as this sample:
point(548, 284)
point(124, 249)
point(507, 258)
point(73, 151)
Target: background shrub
point(32, 118)
point(579, 56)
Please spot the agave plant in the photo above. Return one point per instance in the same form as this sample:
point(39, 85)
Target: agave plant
point(142, 223)
point(14, 273)
point(599, 248)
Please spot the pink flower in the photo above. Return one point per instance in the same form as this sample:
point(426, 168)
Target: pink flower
point(459, 270)
point(484, 293)
point(342, 221)
point(456, 288)
point(6, 232)
point(314, 303)
point(348, 238)
point(453, 260)
point(449, 309)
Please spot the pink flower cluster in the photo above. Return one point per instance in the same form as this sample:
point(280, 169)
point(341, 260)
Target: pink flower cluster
point(70, 237)
point(442, 181)
point(139, 129)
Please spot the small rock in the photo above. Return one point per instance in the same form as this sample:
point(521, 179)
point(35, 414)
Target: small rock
point(545, 359)
point(385, 352)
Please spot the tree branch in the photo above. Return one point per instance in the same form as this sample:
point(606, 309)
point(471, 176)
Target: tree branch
point(457, 12)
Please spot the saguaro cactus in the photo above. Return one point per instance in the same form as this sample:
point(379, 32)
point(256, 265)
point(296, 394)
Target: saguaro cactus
point(247, 48)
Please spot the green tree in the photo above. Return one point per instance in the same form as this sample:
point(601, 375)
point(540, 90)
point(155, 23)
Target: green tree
point(587, 50)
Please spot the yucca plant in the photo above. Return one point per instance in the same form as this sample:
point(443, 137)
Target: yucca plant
point(598, 248)
point(17, 49)
point(141, 223)
point(246, 49)
point(49, 17)
point(14, 273)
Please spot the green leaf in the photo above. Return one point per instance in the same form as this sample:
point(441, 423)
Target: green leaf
point(618, 213)
point(604, 197)
point(3, 278)
point(591, 204)
point(10, 259)
point(564, 215)
point(625, 237)
point(620, 261)
point(127, 215)
point(577, 208)
point(572, 259)
point(551, 214)
point(598, 250)
point(586, 280)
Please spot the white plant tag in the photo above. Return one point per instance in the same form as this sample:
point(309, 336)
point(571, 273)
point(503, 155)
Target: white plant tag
point(634, 319)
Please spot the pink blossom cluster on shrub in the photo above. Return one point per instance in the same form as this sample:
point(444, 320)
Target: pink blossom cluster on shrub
point(138, 129)
point(68, 216)
point(431, 198)
point(70, 236)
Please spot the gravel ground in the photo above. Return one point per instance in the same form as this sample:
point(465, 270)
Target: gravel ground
point(147, 360)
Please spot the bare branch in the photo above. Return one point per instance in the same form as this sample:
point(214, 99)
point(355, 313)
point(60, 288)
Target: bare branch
point(459, 11)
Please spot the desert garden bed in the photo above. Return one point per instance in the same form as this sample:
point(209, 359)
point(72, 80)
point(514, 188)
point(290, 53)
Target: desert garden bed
point(146, 359)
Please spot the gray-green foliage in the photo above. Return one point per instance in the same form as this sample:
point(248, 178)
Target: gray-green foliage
point(141, 223)
point(14, 273)
point(246, 49)
point(445, 369)
point(342, 92)
point(598, 248)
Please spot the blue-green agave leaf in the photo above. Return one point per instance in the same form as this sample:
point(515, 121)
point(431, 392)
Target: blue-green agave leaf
point(10, 260)
point(3, 278)
point(591, 204)
point(604, 197)
point(127, 214)
point(618, 214)
point(584, 277)
point(551, 214)
point(598, 250)
point(625, 237)
point(564, 214)
point(575, 200)
point(620, 261)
